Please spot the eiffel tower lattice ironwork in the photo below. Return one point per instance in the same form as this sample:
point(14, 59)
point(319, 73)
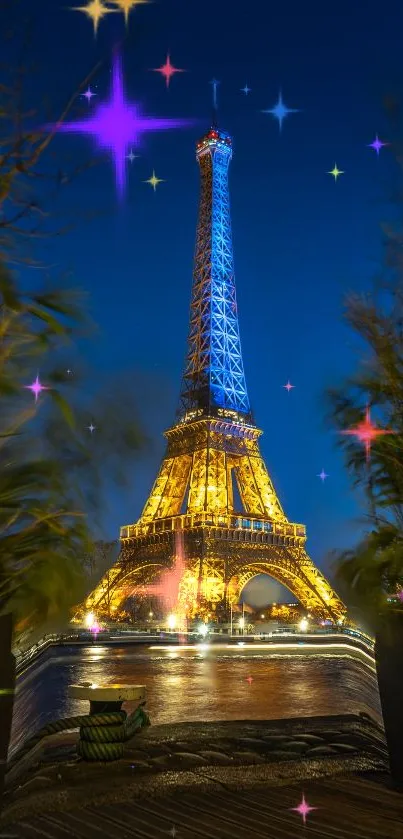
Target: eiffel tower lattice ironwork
point(213, 449)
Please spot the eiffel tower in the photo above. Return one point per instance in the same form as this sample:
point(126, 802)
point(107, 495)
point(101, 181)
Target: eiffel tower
point(212, 456)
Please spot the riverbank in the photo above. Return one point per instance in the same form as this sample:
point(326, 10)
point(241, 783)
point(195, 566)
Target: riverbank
point(216, 779)
point(31, 655)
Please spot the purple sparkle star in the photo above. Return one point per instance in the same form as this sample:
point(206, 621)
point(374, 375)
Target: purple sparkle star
point(88, 94)
point(303, 809)
point(322, 476)
point(377, 145)
point(117, 125)
point(36, 388)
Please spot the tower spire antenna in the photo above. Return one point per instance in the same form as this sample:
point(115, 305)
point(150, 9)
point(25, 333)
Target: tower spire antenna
point(214, 83)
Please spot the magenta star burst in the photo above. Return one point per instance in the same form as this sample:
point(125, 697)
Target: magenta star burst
point(36, 388)
point(117, 125)
point(303, 808)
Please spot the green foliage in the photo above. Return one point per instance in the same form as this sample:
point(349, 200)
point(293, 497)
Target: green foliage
point(374, 569)
point(52, 471)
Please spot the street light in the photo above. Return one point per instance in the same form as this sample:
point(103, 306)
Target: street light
point(303, 625)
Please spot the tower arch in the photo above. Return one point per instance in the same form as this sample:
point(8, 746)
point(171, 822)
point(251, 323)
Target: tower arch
point(307, 584)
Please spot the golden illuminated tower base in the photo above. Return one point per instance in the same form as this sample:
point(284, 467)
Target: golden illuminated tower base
point(208, 462)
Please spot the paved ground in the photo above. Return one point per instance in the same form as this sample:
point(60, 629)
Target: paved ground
point(221, 780)
point(347, 808)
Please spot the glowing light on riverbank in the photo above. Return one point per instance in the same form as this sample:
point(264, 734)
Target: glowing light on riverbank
point(89, 620)
point(171, 621)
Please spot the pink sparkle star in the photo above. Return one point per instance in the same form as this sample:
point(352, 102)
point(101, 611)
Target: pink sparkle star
point(168, 70)
point(117, 125)
point(377, 145)
point(288, 386)
point(250, 680)
point(303, 808)
point(36, 388)
point(366, 432)
point(322, 475)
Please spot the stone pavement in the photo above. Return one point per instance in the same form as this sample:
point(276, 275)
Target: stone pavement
point(232, 779)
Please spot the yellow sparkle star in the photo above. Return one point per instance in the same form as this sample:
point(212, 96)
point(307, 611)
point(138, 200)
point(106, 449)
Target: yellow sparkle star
point(336, 172)
point(95, 10)
point(126, 6)
point(154, 181)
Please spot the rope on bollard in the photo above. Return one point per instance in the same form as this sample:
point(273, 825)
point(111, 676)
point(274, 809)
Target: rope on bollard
point(101, 735)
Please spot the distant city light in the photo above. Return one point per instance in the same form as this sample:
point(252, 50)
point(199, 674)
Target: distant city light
point(303, 625)
point(203, 629)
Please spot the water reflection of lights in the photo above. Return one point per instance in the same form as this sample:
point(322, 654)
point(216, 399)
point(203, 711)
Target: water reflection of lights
point(286, 649)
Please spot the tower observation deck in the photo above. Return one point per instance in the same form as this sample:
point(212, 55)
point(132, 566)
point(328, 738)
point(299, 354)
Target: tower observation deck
point(213, 495)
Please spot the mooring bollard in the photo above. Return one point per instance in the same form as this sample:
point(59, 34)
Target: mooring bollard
point(107, 727)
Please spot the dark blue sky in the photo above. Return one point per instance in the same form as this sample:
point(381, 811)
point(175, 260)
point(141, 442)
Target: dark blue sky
point(301, 240)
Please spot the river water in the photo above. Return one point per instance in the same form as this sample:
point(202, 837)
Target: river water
point(211, 683)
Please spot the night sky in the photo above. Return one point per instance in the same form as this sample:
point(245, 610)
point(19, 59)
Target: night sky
point(301, 240)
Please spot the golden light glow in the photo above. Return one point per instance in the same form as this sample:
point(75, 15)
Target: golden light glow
point(89, 620)
point(95, 10)
point(126, 6)
point(171, 621)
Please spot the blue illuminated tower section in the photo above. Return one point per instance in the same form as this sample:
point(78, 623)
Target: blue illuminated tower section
point(214, 380)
